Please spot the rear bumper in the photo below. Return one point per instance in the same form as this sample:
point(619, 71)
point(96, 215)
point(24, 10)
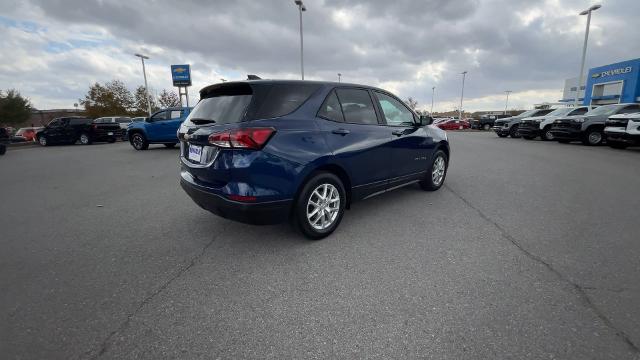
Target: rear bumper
point(566, 134)
point(260, 213)
point(622, 137)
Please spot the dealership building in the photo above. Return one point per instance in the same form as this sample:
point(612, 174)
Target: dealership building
point(608, 84)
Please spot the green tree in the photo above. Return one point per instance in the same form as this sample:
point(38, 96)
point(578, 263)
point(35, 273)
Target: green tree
point(140, 107)
point(14, 108)
point(112, 98)
point(168, 99)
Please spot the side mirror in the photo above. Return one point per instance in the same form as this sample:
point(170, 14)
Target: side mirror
point(425, 120)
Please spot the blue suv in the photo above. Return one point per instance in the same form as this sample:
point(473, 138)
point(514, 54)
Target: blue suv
point(265, 151)
point(159, 128)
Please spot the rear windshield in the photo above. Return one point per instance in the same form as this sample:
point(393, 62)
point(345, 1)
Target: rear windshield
point(238, 102)
point(606, 109)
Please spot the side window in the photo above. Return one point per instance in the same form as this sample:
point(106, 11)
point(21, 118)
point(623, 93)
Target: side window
point(161, 116)
point(579, 111)
point(123, 120)
point(330, 109)
point(630, 109)
point(54, 123)
point(357, 106)
point(78, 121)
point(176, 114)
point(283, 99)
point(395, 113)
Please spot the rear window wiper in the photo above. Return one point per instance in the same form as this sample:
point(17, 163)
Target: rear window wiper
point(201, 121)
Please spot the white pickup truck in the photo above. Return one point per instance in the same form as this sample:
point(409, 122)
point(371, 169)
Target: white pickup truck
point(623, 130)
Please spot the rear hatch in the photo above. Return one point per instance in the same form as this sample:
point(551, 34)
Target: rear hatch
point(106, 129)
point(226, 121)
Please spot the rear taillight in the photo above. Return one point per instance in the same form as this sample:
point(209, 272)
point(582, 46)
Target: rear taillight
point(94, 126)
point(249, 138)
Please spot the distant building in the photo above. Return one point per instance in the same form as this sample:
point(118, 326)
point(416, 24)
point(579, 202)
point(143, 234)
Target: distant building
point(43, 117)
point(570, 88)
point(607, 84)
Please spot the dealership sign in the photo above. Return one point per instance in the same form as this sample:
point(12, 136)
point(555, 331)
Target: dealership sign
point(612, 72)
point(181, 75)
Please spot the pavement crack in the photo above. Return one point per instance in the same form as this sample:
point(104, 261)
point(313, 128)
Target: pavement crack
point(579, 290)
point(104, 346)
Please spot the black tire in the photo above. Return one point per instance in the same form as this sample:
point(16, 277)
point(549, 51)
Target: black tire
point(564, 141)
point(3, 149)
point(617, 144)
point(486, 127)
point(593, 137)
point(139, 141)
point(528, 137)
point(42, 140)
point(85, 139)
point(513, 132)
point(170, 146)
point(430, 182)
point(302, 206)
point(547, 135)
point(502, 135)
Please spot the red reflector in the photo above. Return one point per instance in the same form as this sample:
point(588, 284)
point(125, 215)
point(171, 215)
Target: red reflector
point(242, 198)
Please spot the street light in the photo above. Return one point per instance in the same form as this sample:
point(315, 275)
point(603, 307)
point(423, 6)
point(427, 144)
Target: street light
point(433, 93)
point(339, 75)
point(584, 48)
point(302, 8)
point(507, 102)
point(146, 87)
point(464, 74)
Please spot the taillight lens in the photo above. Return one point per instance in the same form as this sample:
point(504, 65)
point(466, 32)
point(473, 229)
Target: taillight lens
point(249, 138)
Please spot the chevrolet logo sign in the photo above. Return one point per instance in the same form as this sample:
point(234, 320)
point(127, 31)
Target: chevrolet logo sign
point(179, 70)
point(595, 75)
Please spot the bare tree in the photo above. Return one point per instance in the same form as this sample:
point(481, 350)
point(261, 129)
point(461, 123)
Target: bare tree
point(413, 104)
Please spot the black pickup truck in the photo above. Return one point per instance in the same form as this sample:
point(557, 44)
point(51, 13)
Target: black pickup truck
point(69, 130)
point(4, 140)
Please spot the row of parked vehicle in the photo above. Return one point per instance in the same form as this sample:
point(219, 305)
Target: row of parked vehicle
point(160, 128)
point(617, 125)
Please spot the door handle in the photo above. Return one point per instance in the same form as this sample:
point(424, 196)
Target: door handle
point(342, 132)
point(398, 132)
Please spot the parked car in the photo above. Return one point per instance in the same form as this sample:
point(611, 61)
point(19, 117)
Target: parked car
point(510, 126)
point(453, 124)
point(623, 130)
point(69, 130)
point(532, 127)
point(27, 134)
point(138, 118)
point(159, 128)
point(265, 151)
point(486, 122)
point(123, 121)
point(589, 128)
point(4, 139)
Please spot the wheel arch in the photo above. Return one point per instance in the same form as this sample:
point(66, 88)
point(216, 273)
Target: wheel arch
point(334, 169)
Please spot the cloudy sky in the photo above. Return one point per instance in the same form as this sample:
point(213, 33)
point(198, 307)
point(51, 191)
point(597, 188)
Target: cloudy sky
point(52, 50)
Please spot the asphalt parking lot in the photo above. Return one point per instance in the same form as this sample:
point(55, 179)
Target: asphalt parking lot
point(530, 251)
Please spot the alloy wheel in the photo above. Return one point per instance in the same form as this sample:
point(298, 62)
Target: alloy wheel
point(548, 135)
point(437, 173)
point(43, 141)
point(323, 206)
point(595, 138)
point(84, 139)
point(137, 141)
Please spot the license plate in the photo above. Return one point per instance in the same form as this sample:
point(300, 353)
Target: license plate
point(195, 153)
point(109, 133)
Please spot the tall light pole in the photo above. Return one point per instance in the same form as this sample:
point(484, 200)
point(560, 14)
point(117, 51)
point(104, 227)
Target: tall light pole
point(302, 8)
point(464, 74)
point(433, 93)
point(584, 48)
point(146, 87)
point(507, 102)
point(339, 76)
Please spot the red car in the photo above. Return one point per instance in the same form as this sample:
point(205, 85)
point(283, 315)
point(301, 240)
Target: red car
point(454, 124)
